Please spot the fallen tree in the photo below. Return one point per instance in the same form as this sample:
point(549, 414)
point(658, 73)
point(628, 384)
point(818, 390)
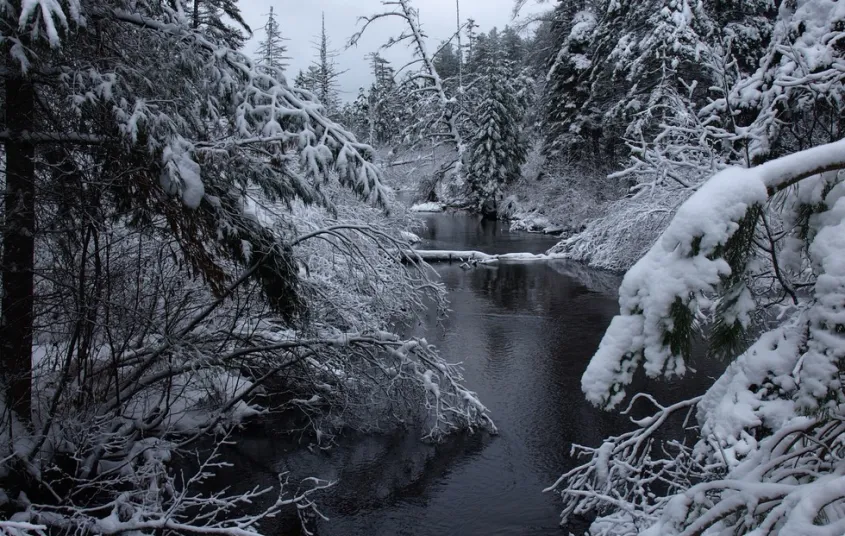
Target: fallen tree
point(476, 257)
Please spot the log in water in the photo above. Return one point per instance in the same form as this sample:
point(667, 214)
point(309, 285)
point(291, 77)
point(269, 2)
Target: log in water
point(524, 332)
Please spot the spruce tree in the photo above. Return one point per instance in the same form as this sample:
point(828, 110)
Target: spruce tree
point(513, 45)
point(497, 150)
point(383, 106)
point(472, 36)
point(447, 61)
point(569, 70)
point(272, 51)
point(170, 132)
point(214, 17)
point(617, 69)
point(322, 75)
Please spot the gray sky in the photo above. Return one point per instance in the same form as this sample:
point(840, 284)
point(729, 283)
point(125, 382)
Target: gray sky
point(300, 23)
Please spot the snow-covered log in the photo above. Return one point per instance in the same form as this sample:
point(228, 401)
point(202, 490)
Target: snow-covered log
point(429, 206)
point(438, 255)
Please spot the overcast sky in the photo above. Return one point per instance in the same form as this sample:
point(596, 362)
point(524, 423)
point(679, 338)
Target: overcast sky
point(300, 23)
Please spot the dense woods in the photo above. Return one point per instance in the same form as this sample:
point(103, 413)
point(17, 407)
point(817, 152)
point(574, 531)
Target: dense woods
point(194, 237)
point(189, 242)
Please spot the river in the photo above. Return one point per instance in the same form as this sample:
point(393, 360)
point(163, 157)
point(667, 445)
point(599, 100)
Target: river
point(525, 333)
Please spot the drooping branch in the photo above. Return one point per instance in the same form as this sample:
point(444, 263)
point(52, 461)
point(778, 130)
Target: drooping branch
point(48, 137)
point(786, 171)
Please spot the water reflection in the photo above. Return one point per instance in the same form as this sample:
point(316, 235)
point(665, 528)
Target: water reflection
point(525, 333)
point(462, 231)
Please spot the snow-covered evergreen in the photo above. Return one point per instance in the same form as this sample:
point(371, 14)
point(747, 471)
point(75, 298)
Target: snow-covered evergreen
point(272, 50)
point(184, 230)
point(321, 77)
point(497, 151)
point(753, 261)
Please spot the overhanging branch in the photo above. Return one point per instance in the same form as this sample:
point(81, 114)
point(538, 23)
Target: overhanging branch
point(781, 173)
point(48, 137)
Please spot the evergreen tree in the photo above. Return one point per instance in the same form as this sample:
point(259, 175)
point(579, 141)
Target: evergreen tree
point(384, 115)
point(447, 62)
point(497, 151)
point(305, 80)
point(745, 26)
point(272, 50)
point(570, 66)
point(214, 17)
point(376, 115)
point(618, 67)
point(323, 73)
point(486, 45)
point(471, 28)
point(513, 46)
point(154, 147)
point(358, 116)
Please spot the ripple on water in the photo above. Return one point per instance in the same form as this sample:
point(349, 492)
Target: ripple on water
point(525, 333)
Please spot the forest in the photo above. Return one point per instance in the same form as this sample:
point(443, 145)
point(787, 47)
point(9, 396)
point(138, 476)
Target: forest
point(195, 239)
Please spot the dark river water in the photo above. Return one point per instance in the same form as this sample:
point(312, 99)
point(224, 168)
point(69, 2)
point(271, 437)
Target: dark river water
point(525, 333)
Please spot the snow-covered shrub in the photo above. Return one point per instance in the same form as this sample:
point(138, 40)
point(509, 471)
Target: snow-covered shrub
point(753, 260)
point(196, 244)
point(662, 174)
point(557, 195)
point(615, 240)
point(769, 452)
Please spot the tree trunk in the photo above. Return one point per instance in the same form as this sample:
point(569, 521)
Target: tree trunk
point(16, 310)
point(196, 21)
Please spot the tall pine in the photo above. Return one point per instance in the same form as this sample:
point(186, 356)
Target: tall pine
point(322, 75)
point(272, 51)
point(497, 151)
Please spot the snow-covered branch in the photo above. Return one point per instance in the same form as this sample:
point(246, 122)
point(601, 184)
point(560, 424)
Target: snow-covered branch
point(629, 475)
point(447, 119)
point(477, 257)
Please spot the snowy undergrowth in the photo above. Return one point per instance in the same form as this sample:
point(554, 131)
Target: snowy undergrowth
point(768, 456)
point(553, 197)
point(623, 233)
point(193, 364)
point(359, 290)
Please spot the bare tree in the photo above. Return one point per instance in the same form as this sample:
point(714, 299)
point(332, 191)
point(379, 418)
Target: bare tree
point(443, 125)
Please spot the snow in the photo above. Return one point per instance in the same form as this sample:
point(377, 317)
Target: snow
point(777, 173)
point(21, 528)
point(583, 24)
point(602, 459)
point(740, 404)
point(819, 375)
point(182, 174)
point(201, 396)
point(429, 384)
point(410, 237)
point(427, 207)
point(677, 269)
point(530, 222)
point(48, 13)
point(435, 255)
